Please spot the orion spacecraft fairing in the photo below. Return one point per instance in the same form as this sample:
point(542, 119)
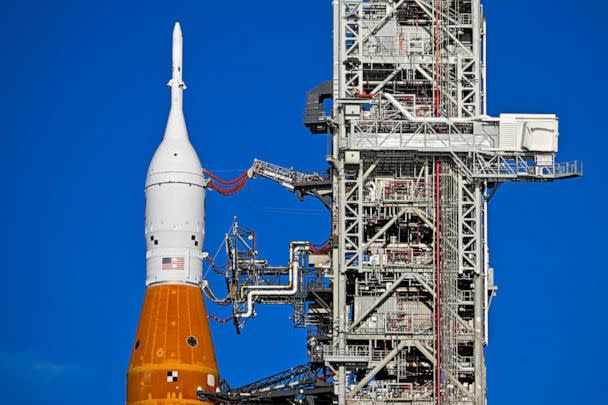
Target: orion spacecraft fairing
point(172, 358)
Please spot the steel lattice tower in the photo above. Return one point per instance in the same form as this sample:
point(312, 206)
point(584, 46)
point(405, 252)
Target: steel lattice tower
point(396, 303)
point(415, 160)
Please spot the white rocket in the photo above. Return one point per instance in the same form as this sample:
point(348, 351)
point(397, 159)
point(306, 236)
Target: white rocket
point(175, 195)
point(173, 359)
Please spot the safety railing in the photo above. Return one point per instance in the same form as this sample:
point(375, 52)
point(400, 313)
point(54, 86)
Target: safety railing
point(573, 168)
point(352, 351)
point(396, 392)
point(406, 190)
point(407, 257)
point(410, 324)
point(465, 295)
point(287, 176)
point(408, 135)
point(522, 166)
point(466, 362)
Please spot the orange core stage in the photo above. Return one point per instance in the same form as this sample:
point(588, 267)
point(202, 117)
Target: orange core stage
point(173, 357)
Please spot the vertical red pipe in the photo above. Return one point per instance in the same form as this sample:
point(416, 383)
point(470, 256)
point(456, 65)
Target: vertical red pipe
point(437, 280)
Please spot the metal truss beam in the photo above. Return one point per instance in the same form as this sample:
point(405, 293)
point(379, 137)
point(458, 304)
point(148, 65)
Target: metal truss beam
point(379, 367)
point(378, 302)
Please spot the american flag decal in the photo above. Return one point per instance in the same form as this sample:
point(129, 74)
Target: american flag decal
point(173, 263)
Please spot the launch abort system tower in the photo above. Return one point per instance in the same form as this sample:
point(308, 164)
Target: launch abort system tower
point(397, 302)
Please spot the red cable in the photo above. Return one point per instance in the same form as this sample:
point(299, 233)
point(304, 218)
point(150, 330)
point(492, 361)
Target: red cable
point(319, 251)
point(227, 187)
point(320, 244)
point(320, 248)
point(229, 191)
point(219, 320)
point(325, 377)
point(235, 180)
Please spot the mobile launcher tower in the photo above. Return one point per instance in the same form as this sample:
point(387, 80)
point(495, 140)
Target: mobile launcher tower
point(396, 301)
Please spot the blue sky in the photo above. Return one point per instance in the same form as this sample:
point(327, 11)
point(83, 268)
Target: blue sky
point(84, 105)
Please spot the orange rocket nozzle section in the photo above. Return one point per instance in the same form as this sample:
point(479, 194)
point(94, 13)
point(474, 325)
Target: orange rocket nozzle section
point(173, 356)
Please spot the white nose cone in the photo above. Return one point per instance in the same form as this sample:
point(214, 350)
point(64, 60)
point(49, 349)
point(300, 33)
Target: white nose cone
point(175, 197)
point(175, 153)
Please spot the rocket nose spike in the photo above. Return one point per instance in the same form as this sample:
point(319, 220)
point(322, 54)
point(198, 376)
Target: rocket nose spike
point(177, 30)
point(176, 124)
point(177, 55)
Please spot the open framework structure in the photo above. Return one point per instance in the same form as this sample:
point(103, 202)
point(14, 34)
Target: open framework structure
point(396, 301)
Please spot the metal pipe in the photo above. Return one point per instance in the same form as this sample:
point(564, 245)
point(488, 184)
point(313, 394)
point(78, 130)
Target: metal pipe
point(412, 118)
point(484, 70)
point(479, 310)
point(476, 42)
point(295, 248)
point(486, 264)
point(438, 280)
point(400, 107)
point(337, 136)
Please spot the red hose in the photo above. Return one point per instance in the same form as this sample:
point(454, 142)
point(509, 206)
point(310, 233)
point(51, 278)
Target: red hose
point(229, 191)
point(319, 251)
point(227, 187)
point(237, 179)
point(325, 377)
point(219, 320)
point(320, 248)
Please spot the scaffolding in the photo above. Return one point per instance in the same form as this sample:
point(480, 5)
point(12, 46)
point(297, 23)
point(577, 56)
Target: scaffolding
point(396, 303)
point(415, 160)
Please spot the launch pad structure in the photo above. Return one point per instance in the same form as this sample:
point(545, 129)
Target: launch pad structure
point(396, 302)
